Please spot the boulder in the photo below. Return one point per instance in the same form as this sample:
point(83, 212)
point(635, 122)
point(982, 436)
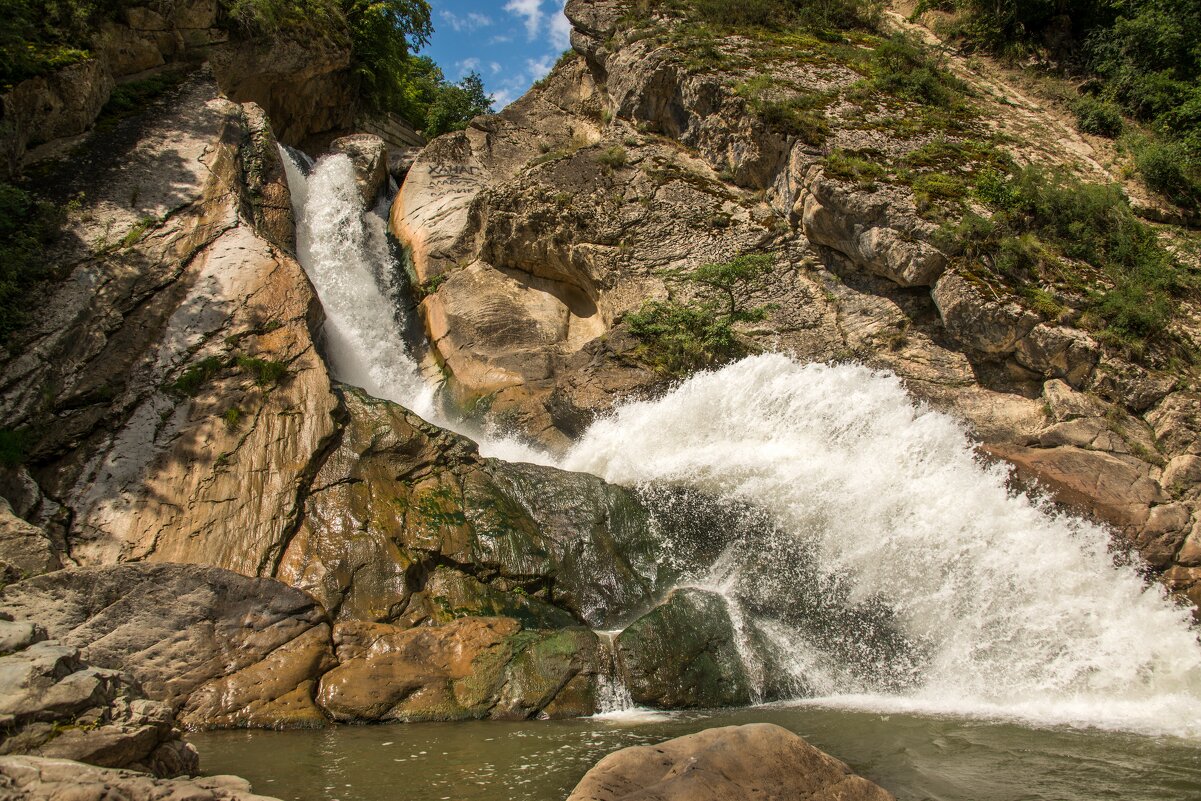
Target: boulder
point(369, 155)
point(221, 648)
point(56, 705)
point(25, 549)
point(734, 763)
point(469, 668)
point(684, 653)
point(442, 532)
point(27, 778)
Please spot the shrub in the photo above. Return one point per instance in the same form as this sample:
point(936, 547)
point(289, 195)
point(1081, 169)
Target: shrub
point(852, 166)
point(904, 67)
point(266, 373)
point(1097, 117)
point(197, 376)
point(614, 157)
point(794, 118)
point(1042, 216)
point(680, 338)
point(1165, 167)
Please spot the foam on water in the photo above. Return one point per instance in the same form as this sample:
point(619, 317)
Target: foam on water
point(1019, 612)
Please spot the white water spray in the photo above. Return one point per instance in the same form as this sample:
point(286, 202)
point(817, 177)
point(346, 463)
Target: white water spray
point(1020, 613)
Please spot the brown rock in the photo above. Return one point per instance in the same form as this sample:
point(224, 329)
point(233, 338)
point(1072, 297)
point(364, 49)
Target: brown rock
point(734, 763)
point(470, 668)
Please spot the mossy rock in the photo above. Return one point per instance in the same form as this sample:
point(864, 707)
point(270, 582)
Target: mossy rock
point(684, 654)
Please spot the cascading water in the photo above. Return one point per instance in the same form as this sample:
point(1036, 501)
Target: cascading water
point(612, 695)
point(345, 252)
point(1006, 608)
point(892, 570)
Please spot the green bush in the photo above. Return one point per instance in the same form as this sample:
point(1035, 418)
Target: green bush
point(266, 373)
point(1165, 167)
point(815, 15)
point(904, 67)
point(197, 376)
point(1097, 117)
point(795, 118)
point(679, 338)
point(1043, 217)
point(614, 157)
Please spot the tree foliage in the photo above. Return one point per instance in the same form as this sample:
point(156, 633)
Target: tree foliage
point(680, 337)
point(436, 105)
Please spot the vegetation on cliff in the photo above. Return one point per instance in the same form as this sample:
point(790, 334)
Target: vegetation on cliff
point(1144, 58)
point(682, 336)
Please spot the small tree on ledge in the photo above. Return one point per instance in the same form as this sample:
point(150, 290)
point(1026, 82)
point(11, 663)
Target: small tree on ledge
point(682, 337)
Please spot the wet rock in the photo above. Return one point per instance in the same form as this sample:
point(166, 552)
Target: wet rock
point(225, 649)
point(369, 155)
point(469, 668)
point(441, 532)
point(684, 653)
point(734, 763)
point(34, 779)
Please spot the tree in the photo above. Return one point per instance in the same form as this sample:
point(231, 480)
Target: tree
point(384, 34)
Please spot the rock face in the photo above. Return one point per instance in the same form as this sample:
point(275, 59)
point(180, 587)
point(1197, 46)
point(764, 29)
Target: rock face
point(304, 81)
point(735, 763)
point(53, 704)
point(369, 155)
point(35, 779)
point(440, 532)
point(470, 668)
point(638, 160)
point(684, 654)
point(219, 648)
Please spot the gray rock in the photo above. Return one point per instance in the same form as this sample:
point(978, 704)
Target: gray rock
point(369, 155)
point(25, 778)
point(684, 654)
point(178, 628)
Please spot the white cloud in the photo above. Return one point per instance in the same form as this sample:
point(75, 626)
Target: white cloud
point(560, 29)
point(472, 21)
point(531, 10)
point(502, 98)
point(540, 68)
point(468, 65)
point(495, 67)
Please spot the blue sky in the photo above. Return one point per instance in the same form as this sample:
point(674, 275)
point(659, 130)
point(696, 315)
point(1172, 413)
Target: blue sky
point(510, 43)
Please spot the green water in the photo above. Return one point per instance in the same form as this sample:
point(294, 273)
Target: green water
point(917, 758)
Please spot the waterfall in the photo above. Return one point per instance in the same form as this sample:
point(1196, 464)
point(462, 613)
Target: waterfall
point(345, 251)
point(894, 570)
point(612, 695)
point(1003, 608)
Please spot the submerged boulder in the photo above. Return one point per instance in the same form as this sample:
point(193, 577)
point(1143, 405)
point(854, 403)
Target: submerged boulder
point(733, 763)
